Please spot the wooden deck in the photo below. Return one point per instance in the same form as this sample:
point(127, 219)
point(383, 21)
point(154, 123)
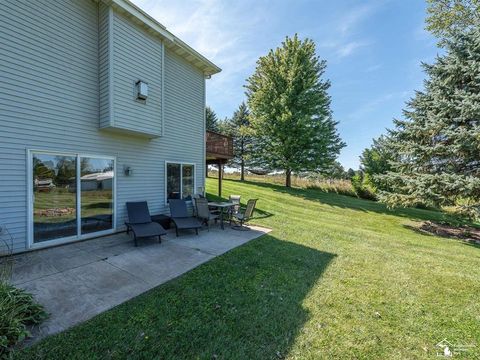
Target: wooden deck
point(219, 149)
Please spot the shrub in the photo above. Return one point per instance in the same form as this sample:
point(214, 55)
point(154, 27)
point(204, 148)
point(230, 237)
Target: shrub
point(17, 310)
point(362, 188)
point(342, 187)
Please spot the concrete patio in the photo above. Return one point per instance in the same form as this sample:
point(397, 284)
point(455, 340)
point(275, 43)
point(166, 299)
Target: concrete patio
point(78, 281)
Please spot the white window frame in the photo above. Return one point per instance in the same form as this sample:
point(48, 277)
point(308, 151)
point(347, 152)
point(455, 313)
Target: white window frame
point(30, 201)
point(181, 163)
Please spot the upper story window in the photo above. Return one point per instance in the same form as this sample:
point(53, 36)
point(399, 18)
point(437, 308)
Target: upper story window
point(180, 180)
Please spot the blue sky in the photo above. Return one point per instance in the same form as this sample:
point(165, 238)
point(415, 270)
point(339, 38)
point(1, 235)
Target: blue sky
point(373, 51)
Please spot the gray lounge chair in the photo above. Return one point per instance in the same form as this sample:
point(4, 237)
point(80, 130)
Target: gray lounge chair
point(242, 217)
point(203, 213)
point(140, 222)
point(181, 218)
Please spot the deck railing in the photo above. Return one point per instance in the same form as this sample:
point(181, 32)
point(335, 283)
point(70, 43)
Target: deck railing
point(219, 146)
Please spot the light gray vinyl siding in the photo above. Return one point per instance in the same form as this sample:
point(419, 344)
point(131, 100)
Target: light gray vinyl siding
point(104, 66)
point(137, 55)
point(129, 54)
point(50, 71)
point(183, 84)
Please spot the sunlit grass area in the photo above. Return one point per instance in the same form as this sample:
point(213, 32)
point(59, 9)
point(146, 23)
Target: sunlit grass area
point(338, 277)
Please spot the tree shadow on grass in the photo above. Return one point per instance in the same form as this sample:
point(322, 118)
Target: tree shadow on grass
point(245, 304)
point(349, 202)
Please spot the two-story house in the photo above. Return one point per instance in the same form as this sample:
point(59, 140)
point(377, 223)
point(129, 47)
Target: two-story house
point(99, 105)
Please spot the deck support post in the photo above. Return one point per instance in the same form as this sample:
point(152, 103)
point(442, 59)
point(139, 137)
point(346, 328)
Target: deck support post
point(220, 177)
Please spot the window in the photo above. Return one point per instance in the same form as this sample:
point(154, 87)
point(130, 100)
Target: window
point(180, 181)
point(72, 195)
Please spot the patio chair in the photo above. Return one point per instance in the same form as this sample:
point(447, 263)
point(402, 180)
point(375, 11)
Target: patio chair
point(235, 199)
point(181, 218)
point(203, 212)
point(140, 222)
point(194, 199)
point(243, 217)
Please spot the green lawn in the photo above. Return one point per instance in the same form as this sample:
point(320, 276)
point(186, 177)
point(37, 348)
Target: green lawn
point(338, 277)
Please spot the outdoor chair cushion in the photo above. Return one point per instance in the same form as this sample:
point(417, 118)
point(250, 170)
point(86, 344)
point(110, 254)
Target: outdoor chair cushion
point(140, 221)
point(187, 223)
point(180, 216)
point(138, 212)
point(178, 208)
point(148, 229)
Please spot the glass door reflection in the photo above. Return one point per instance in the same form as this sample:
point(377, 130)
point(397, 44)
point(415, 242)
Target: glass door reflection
point(54, 197)
point(96, 185)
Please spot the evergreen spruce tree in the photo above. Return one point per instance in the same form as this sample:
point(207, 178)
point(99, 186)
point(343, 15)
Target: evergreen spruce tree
point(239, 128)
point(438, 143)
point(211, 120)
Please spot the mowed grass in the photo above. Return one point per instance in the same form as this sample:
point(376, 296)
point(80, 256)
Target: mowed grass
point(338, 277)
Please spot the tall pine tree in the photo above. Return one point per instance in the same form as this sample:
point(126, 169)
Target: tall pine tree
point(438, 143)
point(239, 128)
point(290, 110)
point(211, 119)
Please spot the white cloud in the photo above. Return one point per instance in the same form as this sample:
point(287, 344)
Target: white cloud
point(215, 28)
point(373, 68)
point(355, 16)
point(348, 48)
point(347, 38)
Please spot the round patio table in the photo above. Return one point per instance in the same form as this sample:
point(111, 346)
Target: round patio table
point(221, 205)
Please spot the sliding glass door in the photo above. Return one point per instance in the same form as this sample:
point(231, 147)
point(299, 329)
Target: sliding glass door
point(73, 196)
point(96, 177)
point(180, 179)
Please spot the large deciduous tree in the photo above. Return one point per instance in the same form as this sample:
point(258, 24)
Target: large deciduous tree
point(447, 17)
point(438, 143)
point(376, 160)
point(290, 110)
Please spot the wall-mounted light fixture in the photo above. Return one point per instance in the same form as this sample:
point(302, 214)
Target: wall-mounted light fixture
point(128, 171)
point(141, 89)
